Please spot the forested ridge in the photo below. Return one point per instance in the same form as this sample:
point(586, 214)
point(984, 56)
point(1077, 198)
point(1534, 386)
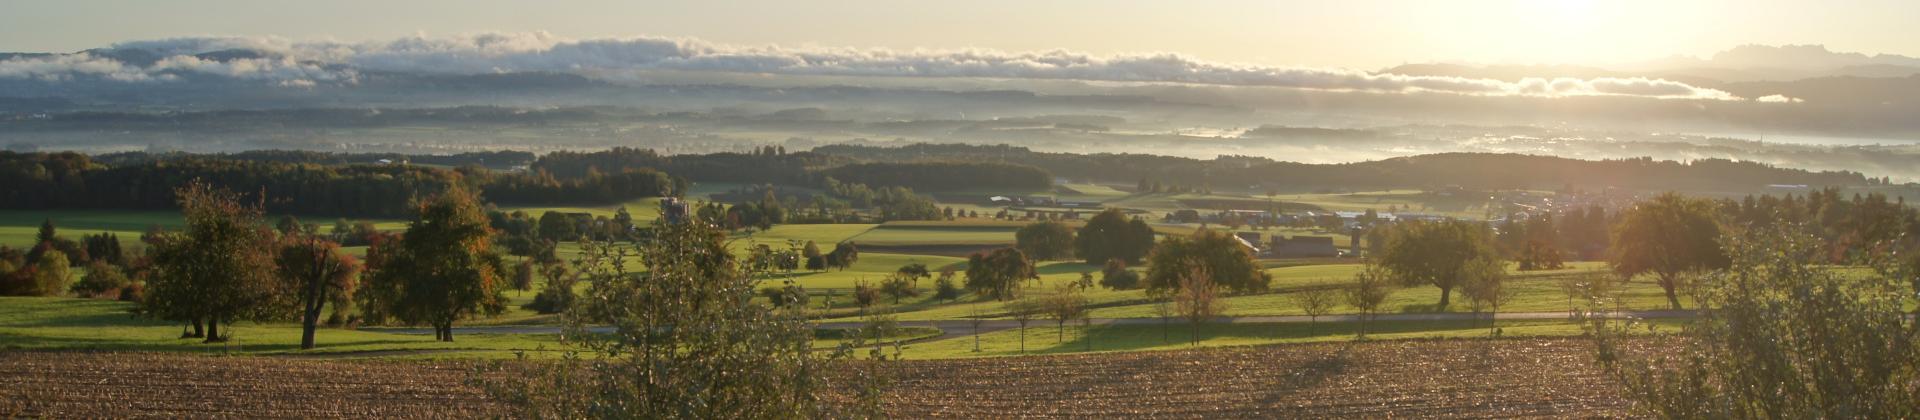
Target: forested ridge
point(1469, 170)
point(72, 180)
point(775, 165)
point(492, 159)
point(347, 185)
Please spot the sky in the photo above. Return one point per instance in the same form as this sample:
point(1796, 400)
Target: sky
point(1360, 34)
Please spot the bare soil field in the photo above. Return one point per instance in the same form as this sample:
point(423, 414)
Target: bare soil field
point(1418, 378)
point(122, 385)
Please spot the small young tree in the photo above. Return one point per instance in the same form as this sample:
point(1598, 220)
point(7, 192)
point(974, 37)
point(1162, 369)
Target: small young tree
point(1198, 299)
point(1483, 281)
point(1370, 289)
point(1066, 304)
point(865, 295)
point(1574, 287)
point(898, 286)
point(1163, 308)
point(1315, 302)
point(975, 318)
point(1023, 311)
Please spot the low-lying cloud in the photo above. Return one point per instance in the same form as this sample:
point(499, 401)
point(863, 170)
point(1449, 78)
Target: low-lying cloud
point(307, 63)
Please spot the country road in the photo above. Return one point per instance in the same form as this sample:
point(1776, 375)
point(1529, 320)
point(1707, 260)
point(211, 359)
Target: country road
point(953, 328)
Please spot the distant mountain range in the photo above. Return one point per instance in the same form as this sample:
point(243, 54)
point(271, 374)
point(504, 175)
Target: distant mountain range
point(1746, 63)
point(1808, 73)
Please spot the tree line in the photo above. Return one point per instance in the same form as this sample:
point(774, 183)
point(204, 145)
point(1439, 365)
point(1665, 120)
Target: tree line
point(773, 164)
point(66, 180)
point(499, 159)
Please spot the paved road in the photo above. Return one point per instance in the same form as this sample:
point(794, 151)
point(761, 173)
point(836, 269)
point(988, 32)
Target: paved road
point(961, 327)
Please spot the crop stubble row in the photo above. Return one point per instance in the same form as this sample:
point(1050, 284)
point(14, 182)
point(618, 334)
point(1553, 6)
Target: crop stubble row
point(1420, 378)
point(1416, 378)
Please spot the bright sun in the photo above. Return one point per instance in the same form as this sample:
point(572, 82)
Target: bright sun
point(1558, 16)
point(1566, 11)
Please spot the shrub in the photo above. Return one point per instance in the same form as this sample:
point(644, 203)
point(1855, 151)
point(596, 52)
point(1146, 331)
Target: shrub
point(51, 274)
point(1777, 337)
point(103, 280)
point(787, 295)
point(1116, 276)
point(557, 296)
point(864, 294)
point(899, 286)
point(945, 289)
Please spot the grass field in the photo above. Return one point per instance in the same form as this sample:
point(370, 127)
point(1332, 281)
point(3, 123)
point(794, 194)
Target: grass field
point(969, 234)
point(1044, 337)
point(51, 323)
point(18, 228)
point(643, 210)
point(81, 324)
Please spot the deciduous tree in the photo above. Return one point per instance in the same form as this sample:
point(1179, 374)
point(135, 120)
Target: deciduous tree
point(220, 269)
point(319, 272)
point(1219, 254)
point(684, 339)
point(1198, 298)
point(1064, 305)
point(1045, 241)
point(1668, 236)
point(443, 269)
point(1432, 253)
point(1776, 337)
point(1369, 289)
point(1315, 302)
point(999, 274)
point(1109, 235)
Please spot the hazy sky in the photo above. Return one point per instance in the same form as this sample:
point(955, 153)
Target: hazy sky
point(1351, 33)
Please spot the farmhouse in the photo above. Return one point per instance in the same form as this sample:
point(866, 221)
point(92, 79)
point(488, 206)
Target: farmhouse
point(673, 209)
point(1302, 246)
point(1249, 239)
